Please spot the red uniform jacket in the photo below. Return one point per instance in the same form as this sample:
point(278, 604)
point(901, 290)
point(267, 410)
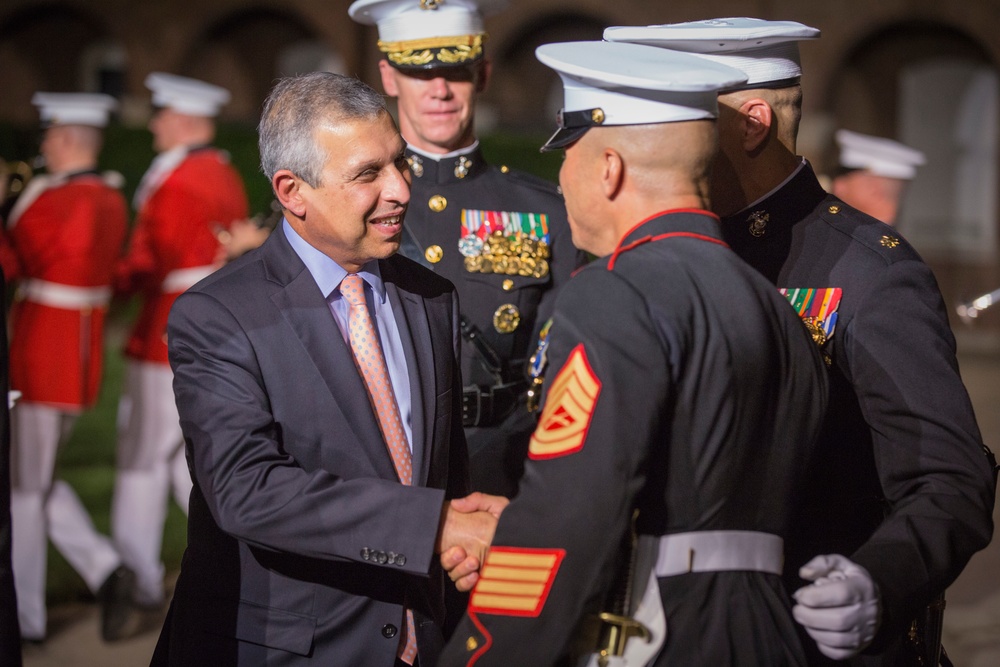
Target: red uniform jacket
point(175, 230)
point(61, 250)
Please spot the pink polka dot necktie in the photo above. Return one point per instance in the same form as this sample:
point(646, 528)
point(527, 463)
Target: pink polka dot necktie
point(368, 356)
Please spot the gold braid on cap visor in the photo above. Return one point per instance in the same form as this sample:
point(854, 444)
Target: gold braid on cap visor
point(448, 50)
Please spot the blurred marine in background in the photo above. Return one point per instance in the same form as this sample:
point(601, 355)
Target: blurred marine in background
point(187, 195)
point(874, 173)
point(62, 238)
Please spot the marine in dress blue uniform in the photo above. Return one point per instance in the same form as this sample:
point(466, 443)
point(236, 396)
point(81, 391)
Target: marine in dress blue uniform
point(667, 357)
point(900, 494)
point(499, 235)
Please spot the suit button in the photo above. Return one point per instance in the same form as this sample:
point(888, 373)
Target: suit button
point(401, 560)
point(365, 554)
point(388, 630)
point(382, 558)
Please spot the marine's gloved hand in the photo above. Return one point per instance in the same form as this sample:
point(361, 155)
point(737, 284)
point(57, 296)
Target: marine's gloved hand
point(841, 609)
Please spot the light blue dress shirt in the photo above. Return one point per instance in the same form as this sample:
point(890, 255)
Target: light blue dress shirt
point(328, 276)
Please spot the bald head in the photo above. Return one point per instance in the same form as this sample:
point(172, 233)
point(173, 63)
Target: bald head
point(616, 176)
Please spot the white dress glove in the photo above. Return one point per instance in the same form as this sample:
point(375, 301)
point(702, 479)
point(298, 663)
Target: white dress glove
point(840, 610)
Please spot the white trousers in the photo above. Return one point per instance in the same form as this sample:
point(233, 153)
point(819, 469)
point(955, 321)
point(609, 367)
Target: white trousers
point(41, 508)
point(150, 462)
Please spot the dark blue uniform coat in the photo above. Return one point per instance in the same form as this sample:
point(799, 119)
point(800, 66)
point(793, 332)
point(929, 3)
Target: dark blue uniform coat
point(687, 389)
point(900, 485)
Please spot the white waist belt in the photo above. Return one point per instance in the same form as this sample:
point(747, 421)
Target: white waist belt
point(70, 297)
point(718, 551)
point(179, 280)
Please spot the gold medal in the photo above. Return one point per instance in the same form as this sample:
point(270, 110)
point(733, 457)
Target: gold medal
point(541, 269)
point(506, 318)
point(474, 264)
point(437, 203)
point(543, 249)
point(433, 254)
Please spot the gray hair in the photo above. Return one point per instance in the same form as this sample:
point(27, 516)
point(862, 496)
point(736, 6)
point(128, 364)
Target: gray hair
point(296, 107)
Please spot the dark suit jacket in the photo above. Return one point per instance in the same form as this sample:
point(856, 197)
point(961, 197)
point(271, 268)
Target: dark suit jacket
point(302, 543)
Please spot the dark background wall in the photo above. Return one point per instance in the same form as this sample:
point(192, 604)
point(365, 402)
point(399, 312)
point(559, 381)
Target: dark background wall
point(921, 71)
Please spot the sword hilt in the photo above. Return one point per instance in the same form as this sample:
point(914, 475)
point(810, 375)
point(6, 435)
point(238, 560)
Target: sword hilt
point(615, 632)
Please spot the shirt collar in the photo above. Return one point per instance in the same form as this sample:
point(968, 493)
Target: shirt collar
point(325, 271)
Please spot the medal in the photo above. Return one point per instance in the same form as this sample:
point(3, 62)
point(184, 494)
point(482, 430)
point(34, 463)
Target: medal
point(433, 254)
point(470, 245)
point(506, 318)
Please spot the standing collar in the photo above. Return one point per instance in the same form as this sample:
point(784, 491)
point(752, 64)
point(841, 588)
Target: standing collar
point(794, 200)
point(445, 169)
point(795, 172)
point(325, 271)
point(437, 157)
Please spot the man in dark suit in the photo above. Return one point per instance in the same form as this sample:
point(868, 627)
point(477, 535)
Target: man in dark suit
point(311, 534)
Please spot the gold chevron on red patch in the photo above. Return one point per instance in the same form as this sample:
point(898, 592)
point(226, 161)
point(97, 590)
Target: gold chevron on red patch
point(569, 406)
point(515, 582)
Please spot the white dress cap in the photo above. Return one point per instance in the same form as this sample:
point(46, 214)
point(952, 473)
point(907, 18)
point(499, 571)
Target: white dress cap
point(412, 32)
point(91, 109)
point(187, 96)
point(608, 83)
point(883, 157)
point(767, 51)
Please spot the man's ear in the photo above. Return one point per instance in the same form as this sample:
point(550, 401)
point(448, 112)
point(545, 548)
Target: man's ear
point(612, 174)
point(388, 74)
point(757, 117)
point(485, 72)
point(288, 190)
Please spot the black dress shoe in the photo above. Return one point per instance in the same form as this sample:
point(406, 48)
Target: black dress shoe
point(118, 619)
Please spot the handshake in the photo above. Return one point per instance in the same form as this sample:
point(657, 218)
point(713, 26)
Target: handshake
point(465, 533)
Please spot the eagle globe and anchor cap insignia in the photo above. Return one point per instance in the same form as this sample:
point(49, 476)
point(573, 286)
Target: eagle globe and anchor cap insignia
point(758, 223)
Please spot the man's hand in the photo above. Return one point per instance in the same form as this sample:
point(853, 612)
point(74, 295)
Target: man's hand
point(241, 237)
point(467, 527)
point(840, 610)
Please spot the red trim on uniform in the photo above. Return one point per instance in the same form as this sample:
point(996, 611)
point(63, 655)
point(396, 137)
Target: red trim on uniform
point(486, 644)
point(648, 239)
point(698, 211)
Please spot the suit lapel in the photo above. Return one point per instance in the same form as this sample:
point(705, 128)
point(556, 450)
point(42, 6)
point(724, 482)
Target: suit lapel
point(415, 335)
point(305, 310)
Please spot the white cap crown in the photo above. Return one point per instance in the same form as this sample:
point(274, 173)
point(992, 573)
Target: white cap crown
point(93, 109)
point(608, 83)
point(883, 157)
point(185, 95)
point(427, 33)
point(767, 51)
